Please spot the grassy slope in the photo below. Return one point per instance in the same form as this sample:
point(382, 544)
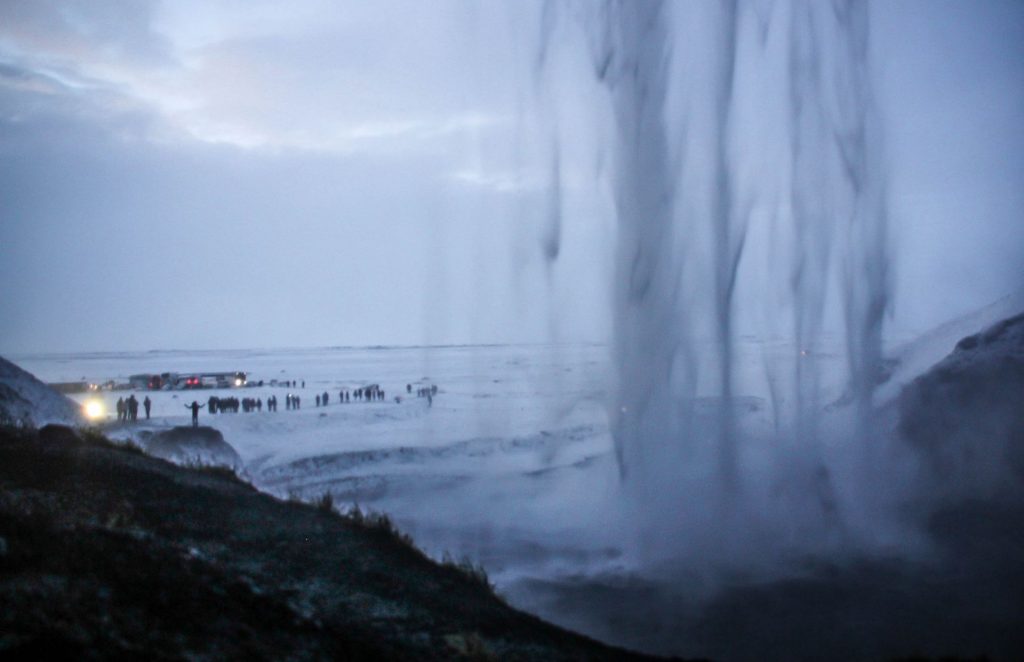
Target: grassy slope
point(106, 552)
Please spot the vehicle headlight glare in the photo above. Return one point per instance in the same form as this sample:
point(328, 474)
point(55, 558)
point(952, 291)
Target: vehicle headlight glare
point(94, 409)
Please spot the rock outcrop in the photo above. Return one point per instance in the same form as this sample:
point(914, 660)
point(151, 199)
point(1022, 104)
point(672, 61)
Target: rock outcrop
point(200, 446)
point(26, 401)
point(965, 416)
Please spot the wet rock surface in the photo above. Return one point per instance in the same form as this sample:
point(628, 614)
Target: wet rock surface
point(965, 416)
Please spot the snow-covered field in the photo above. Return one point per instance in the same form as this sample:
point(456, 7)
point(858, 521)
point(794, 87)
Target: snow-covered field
point(512, 454)
point(512, 464)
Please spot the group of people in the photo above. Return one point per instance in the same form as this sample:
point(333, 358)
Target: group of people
point(427, 392)
point(217, 405)
point(372, 392)
point(423, 392)
point(128, 409)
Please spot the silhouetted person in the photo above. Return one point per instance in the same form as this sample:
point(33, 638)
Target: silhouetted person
point(120, 409)
point(133, 408)
point(195, 406)
point(318, 400)
point(323, 398)
point(147, 403)
point(408, 388)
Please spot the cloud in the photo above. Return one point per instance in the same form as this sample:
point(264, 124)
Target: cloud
point(251, 74)
point(316, 137)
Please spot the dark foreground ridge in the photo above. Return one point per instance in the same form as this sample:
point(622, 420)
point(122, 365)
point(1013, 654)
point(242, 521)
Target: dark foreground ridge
point(106, 552)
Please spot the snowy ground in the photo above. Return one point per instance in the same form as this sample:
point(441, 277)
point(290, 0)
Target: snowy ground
point(497, 455)
point(513, 463)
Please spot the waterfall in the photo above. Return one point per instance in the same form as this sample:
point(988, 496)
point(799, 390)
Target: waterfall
point(746, 176)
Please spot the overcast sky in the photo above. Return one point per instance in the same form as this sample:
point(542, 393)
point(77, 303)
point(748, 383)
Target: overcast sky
point(255, 174)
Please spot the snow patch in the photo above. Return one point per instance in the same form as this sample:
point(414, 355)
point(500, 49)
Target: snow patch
point(201, 446)
point(24, 400)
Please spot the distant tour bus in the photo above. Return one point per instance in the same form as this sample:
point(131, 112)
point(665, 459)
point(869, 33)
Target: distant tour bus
point(210, 380)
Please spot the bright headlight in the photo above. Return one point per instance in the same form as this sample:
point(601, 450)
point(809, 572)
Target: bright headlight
point(94, 409)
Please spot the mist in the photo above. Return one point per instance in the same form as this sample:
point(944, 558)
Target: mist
point(689, 276)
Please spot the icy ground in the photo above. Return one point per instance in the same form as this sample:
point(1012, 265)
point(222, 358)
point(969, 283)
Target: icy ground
point(514, 447)
point(512, 464)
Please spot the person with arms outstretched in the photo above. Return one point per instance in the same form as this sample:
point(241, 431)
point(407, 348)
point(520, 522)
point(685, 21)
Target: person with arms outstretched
point(195, 406)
